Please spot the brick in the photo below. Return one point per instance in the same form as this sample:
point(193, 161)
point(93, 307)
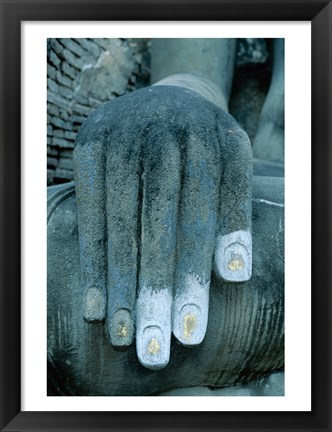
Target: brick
point(94, 102)
point(63, 143)
point(78, 119)
point(64, 80)
point(52, 85)
point(49, 130)
point(60, 123)
point(81, 99)
point(66, 163)
point(57, 47)
point(68, 70)
point(52, 162)
point(73, 46)
point(65, 92)
point(74, 61)
point(59, 133)
point(70, 135)
point(81, 109)
point(101, 42)
point(89, 46)
point(66, 117)
point(67, 154)
point(52, 109)
point(58, 101)
point(51, 71)
point(54, 59)
point(51, 151)
point(61, 173)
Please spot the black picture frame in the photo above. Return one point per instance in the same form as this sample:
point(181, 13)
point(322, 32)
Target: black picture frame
point(319, 12)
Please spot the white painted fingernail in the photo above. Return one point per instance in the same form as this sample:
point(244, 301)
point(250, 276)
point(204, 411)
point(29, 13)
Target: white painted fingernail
point(94, 307)
point(190, 311)
point(154, 352)
point(192, 332)
point(153, 333)
point(121, 328)
point(233, 256)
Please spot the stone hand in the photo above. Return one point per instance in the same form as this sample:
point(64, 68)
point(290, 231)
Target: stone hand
point(163, 182)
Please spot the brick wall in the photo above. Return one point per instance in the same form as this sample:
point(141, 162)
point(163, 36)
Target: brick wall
point(81, 75)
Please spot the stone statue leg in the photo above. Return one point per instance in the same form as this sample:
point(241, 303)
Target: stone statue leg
point(269, 140)
point(90, 189)
point(244, 337)
point(212, 59)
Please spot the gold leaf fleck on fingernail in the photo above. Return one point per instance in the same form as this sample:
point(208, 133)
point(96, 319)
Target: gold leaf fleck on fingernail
point(122, 330)
point(190, 322)
point(154, 346)
point(236, 264)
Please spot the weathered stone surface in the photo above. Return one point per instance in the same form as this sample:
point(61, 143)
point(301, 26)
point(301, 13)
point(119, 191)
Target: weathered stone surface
point(54, 59)
point(75, 111)
point(244, 339)
point(62, 79)
point(89, 46)
point(251, 79)
point(62, 175)
point(51, 151)
point(270, 385)
point(67, 69)
point(84, 73)
point(62, 143)
point(69, 135)
point(173, 152)
point(251, 51)
point(50, 175)
point(269, 140)
point(248, 95)
point(51, 71)
point(52, 162)
point(251, 82)
point(66, 163)
point(52, 109)
point(59, 123)
point(58, 133)
point(73, 46)
point(213, 59)
point(268, 168)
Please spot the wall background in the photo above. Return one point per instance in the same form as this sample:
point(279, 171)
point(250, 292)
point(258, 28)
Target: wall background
point(82, 74)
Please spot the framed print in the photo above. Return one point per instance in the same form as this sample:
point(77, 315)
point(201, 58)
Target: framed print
point(85, 54)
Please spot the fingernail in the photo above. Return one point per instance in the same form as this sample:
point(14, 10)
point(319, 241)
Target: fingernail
point(94, 307)
point(153, 332)
point(154, 349)
point(234, 257)
point(190, 326)
point(121, 328)
point(190, 311)
point(236, 263)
